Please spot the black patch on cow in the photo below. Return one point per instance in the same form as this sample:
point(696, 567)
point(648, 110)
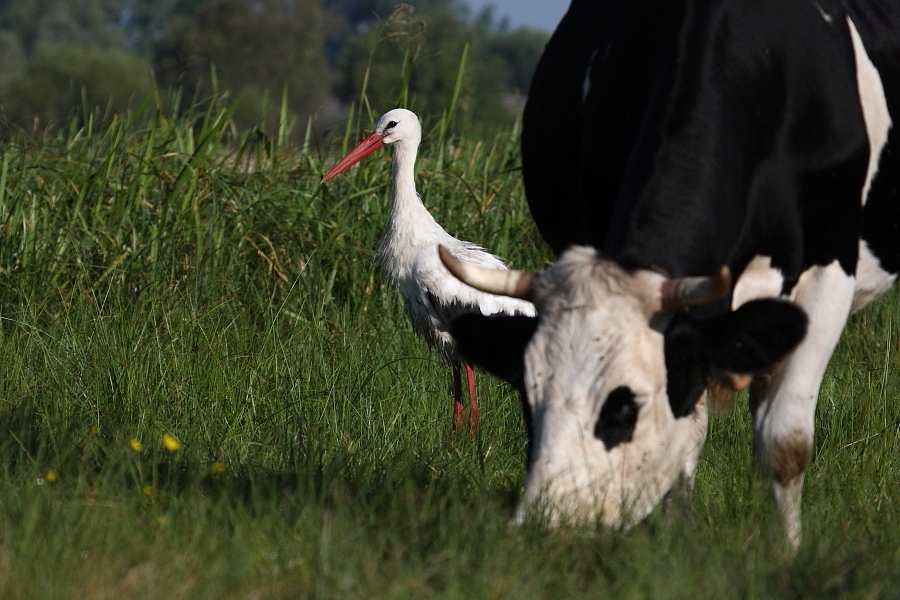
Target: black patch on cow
point(881, 216)
point(686, 365)
point(495, 343)
point(617, 418)
point(688, 135)
point(755, 336)
point(750, 340)
point(605, 58)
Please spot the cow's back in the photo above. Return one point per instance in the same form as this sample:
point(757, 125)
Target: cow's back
point(630, 95)
point(606, 62)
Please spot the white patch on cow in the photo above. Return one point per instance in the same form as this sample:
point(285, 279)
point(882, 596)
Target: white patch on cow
point(828, 18)
point(575, 480)
point(874, 106)
point(586, 82)
point(593, 337)
point(759, 279)
point(698, 423)
point(783, 421)
point(871, 280)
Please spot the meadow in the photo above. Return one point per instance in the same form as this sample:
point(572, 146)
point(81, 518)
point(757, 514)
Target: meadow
point(208, 391)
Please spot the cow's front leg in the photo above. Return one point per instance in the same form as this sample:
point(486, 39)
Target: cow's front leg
point(784, 410)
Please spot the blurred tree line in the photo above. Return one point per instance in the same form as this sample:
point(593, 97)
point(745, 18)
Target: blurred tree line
point(59, 58)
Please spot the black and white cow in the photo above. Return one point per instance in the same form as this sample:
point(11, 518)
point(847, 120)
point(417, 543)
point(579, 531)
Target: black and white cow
point(678, 137)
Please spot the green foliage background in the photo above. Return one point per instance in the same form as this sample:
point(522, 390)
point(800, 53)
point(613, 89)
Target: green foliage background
point(67, 58)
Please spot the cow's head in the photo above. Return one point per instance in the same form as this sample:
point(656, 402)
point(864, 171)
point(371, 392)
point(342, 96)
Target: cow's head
point(613, 373)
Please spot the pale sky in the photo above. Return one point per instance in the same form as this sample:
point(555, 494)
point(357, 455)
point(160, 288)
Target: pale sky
point(537, 14)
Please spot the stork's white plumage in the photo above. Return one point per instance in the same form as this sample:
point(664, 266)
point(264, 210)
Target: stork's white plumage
point(409, 254)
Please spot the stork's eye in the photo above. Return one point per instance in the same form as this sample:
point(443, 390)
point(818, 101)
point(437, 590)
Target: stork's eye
point(617, 418)
point(391, 125)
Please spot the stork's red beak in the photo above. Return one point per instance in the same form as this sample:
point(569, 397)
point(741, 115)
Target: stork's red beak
point(369, 144)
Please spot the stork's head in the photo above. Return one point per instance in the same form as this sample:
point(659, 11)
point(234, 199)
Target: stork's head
point(395, 126)
point(399, 125)
point(614, 373)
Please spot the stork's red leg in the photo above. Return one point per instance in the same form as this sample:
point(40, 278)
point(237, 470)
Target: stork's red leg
point(457, 396)
point(473, 404)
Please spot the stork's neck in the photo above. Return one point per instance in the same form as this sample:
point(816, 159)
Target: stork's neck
point(403, 182)
point(410, 225)
point(406, 209)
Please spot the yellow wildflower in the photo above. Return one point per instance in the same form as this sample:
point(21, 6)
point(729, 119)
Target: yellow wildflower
point(217, 468)
point(170, 443)
point(50, 476)
point(135, 444)
point(147, 489)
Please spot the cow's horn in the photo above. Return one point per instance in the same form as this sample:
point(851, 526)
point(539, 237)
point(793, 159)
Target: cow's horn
point(516, 284)
point(693, 291)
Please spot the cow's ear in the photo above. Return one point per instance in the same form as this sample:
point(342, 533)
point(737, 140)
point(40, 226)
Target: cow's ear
point(754, 337)
point(495, 344)
point(686, 365)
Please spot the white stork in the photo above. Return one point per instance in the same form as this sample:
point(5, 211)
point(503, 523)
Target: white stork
point(409, 255)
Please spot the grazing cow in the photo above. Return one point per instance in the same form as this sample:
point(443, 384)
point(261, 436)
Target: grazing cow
point(680, 139)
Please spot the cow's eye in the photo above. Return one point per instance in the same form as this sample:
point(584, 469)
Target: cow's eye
point(617, 418)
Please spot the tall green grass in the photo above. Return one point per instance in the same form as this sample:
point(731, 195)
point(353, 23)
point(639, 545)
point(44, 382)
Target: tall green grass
point(166, 274)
